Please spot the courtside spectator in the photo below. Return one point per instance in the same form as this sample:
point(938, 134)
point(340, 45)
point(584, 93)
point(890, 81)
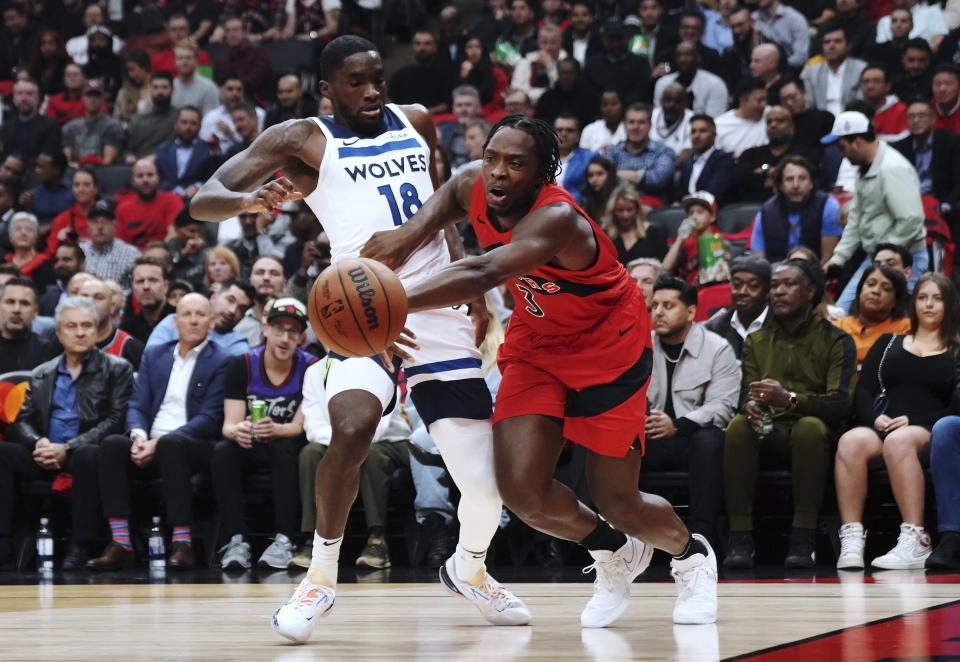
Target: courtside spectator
point(111, 340)
point(149, 214)
point(73, 401)
point(945, 469)
point(880, 307)
point(21, 348)
point(632, 235)
point(645, 271)
point(692, 396)
point(915, 375)
point(273, 373)
point(750, 292)
point(799, 373)
point(229, 306)
point(150, 290)
point(268, 281)
point(174, 416)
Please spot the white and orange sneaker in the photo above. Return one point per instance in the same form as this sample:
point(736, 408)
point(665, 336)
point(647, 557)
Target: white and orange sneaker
point(295, 620)
point(497, 604)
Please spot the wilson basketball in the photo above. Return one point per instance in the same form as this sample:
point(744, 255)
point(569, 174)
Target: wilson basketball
point(357, 307)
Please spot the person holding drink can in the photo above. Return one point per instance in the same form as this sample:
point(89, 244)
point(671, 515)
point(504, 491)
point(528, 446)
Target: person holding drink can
point(697, 255)
point(263, 428)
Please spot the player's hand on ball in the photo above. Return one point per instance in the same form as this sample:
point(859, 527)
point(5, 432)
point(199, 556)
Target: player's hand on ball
point(407, 338)
point(390, 247)
point(271, 195)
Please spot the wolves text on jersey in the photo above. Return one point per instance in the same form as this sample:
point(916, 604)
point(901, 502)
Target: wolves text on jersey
point(391, 167)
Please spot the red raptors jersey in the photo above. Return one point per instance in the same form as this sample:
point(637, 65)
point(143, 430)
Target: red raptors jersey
point(552, 301)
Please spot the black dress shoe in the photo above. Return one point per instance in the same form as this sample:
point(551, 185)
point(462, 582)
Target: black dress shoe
point(946, 555)
point(76, 558)
point(740, 551)
point(436, 533)
point(802, 552)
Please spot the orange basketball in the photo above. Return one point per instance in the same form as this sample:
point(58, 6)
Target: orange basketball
point(357, 307)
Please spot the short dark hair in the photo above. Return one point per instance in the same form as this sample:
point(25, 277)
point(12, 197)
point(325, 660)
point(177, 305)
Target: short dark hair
point(642, 107)
point(19, 281)
point(694, 13)
point(879, 67)
point(59, 159)
point(905, 256)
point(796, 80)
point(338, 50)
point(244, 105)
point(184, 219)
point(78, 253)
point(688, 293)
point(243, 284)
point(947, 68)
point(703, 117)
point(10, 268)
point(900, 294)
point(749, 85)
point(161, 73)
point(833, 25)
point(190, 108)
point(546, 145)
point(919, 44)
point(812, 274)
point(151, 261)
point(229, 75)
point(568, 116)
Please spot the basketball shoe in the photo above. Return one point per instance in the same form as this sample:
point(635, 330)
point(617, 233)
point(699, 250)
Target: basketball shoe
point(852, 540)
point(611, 589)
point(912, 549)
point(295, 620)
point(497, 604)
point(696, 579)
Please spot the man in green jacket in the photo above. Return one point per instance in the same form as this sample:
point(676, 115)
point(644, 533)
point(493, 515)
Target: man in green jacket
point(797, 388)
point(886, 206)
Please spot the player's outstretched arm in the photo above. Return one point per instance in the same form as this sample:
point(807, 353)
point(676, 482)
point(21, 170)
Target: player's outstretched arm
point(445, 207)
point(537, 239)
point(236, 185)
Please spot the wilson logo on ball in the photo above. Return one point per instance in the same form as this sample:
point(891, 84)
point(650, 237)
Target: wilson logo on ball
point(332, 308)
point(366, 293)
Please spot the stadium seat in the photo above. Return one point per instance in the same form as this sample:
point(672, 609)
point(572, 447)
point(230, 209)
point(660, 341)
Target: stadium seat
point(667, 219)
point(736, 217)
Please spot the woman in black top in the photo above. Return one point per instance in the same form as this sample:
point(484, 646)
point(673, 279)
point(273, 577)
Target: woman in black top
point(918, 374)
point(632, 235)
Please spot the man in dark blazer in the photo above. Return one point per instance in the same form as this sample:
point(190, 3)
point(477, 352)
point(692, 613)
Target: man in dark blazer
point(187, 178)
point(175, 414)
point(708, 166)
point(935, 155)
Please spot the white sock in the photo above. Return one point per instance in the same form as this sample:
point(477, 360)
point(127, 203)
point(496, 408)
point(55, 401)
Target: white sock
point(469, 564)
point(325, 559)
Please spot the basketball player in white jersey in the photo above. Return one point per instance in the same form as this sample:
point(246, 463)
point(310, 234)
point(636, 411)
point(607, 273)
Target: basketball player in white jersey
point(370, 168)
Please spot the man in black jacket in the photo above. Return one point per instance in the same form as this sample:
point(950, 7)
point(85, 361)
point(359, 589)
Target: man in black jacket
point(618, 69)
point(934, 153)
point(73, 401)
point(20, 347)
point(29, 133)
point(749, 289)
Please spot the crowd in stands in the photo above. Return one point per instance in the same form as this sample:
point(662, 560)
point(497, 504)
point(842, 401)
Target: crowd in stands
point(781, 178)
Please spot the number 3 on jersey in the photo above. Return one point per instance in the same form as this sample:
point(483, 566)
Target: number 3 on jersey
point(409, 198)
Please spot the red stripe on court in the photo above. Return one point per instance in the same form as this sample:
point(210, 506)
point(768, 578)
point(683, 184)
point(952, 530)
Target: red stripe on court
point(924, 635)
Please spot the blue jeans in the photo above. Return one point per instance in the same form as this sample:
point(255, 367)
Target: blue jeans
point(945, 467)
point(921, 261)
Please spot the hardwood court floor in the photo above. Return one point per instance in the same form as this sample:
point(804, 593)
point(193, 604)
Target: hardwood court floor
point(422, 622)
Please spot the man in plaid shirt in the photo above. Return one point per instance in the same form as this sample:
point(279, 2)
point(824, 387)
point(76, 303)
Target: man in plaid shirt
point(108, 258)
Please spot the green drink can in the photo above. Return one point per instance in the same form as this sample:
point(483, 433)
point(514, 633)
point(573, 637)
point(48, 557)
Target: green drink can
point(258, 410)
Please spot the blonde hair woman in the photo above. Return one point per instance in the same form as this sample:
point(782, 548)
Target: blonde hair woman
point(222, 265)
point(625, 222)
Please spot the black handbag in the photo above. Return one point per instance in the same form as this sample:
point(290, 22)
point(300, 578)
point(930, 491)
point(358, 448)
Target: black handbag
point(880, 399)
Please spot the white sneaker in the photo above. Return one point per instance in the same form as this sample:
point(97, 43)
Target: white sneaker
point(611, 589)
point(236, 554)
point(852, 540)
point(911, 552)
point(278, 554)
point(295, 620)
point(696, 579)
point(497, 604)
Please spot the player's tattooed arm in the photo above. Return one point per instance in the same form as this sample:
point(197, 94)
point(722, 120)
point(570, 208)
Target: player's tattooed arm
point(294, 148)
point(444, 208)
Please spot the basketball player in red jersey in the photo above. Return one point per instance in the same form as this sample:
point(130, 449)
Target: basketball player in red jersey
point(576, 362)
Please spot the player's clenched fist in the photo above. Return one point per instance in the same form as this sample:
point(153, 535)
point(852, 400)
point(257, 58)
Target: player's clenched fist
point(271, 195)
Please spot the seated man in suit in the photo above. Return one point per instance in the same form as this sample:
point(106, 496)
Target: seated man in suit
point(73, 401)
point(836, 49)
point(708, 168)
point(933, 152)
point(173, 419)
point(184, 175)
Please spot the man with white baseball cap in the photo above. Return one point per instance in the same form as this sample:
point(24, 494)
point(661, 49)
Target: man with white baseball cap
point(886, 205)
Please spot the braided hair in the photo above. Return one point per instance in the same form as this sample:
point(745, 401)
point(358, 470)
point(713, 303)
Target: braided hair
point(545, 142)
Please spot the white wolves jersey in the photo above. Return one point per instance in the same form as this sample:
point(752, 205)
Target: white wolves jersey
point(367, 184)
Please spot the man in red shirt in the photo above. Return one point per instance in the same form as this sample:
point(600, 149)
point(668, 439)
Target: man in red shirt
point(68, 105)
point(178, 28)
point(946, 97)
point(889, 112)
point(147, 216)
